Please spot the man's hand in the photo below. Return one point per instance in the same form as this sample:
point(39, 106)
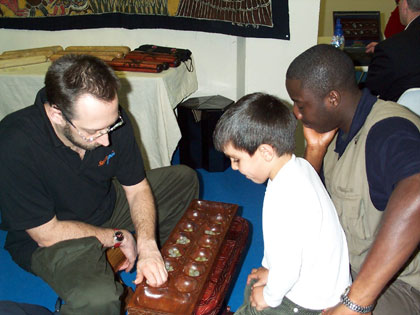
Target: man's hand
point(260, 275)
point(316, 146)
point(370, 48)
point(129, 249)
point(316, 139)
point(257, 298)
point(150, 265)
point(340, 309)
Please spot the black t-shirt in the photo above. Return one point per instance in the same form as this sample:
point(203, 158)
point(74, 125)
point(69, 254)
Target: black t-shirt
point(42, 178)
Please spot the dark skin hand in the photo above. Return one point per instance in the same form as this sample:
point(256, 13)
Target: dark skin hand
point(317, 144)
point(396, 241)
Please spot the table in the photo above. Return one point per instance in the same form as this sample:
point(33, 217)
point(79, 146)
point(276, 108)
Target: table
point(149, 98)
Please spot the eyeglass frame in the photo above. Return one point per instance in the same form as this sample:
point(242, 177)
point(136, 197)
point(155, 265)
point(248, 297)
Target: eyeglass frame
point(119, 123)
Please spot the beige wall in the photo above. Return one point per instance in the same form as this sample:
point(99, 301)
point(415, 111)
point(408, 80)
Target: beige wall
point(328, 6)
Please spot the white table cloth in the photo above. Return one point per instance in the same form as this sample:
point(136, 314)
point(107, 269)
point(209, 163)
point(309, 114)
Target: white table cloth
point(149, 98)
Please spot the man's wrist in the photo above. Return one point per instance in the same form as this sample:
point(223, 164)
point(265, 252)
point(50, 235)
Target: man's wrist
point(345, 300)
point(146, 245)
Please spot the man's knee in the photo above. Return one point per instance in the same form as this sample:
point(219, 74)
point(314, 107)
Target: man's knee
point(187, 177)
point(94, 297)
point(398, 298)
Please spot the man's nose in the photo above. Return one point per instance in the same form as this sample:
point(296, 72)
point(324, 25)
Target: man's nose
point(103, 140)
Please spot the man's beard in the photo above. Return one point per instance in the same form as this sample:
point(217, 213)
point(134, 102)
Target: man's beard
point(80, 144)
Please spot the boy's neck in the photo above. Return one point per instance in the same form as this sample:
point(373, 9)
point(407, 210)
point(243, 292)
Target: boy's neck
point(278, 164)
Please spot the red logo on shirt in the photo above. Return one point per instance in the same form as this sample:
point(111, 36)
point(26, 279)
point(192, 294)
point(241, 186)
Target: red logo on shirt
point(106, 159)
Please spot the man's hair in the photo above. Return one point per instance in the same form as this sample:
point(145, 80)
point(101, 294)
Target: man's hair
point(73, 75)
point(323, 68)
point(256, 119)
point(414, 5)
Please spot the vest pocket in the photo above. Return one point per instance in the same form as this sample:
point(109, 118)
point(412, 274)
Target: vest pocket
point(353, 217)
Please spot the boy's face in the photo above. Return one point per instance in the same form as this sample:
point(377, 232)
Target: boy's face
point(253, 167)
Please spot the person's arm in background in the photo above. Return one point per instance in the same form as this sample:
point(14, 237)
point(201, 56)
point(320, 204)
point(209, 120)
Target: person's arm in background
point(393, 26)
point(380, 67)
point(370, 48)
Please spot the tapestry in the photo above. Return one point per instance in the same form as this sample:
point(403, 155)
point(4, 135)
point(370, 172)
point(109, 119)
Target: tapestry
point(248, 18)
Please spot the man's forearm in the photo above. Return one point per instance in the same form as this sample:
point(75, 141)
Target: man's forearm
point(143, 211)
point(56, 231)
point(315, 156)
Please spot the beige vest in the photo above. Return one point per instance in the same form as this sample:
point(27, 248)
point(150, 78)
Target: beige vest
point(346, 181)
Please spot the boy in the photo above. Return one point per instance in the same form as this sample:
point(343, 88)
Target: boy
point(305, 266)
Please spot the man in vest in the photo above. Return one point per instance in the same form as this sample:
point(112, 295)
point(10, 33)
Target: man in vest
point(368, 152)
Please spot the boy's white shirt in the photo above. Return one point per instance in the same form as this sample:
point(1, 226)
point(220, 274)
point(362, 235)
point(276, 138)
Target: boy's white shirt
point(305, 248)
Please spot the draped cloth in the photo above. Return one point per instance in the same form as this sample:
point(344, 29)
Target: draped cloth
point(247, 18)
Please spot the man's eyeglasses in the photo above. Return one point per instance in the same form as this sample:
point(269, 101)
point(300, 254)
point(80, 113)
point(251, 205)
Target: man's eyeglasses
point(100, 133)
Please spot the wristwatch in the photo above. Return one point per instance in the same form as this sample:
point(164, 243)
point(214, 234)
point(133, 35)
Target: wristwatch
point(118, 238)
point(344, 299)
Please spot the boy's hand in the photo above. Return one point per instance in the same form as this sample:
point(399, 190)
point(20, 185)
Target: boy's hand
point(260, 275)
point(257, 298)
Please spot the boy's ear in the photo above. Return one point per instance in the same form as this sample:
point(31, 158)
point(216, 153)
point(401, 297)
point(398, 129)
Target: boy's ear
point(266, 151)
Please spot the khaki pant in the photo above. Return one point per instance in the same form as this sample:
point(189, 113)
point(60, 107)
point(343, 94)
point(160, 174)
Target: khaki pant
point(398, 299)
point(77, 269)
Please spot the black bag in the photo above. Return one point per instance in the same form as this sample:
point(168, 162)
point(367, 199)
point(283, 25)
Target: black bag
point(197, 118)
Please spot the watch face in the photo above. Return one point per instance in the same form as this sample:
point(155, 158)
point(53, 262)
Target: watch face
point(119, 236)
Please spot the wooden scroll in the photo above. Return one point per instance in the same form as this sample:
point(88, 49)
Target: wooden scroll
point(23, 57)
point(122, 49)
point(172, 61)
point(34, 51)
point(21, 61)
point(103, 55)
point(136, 65)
